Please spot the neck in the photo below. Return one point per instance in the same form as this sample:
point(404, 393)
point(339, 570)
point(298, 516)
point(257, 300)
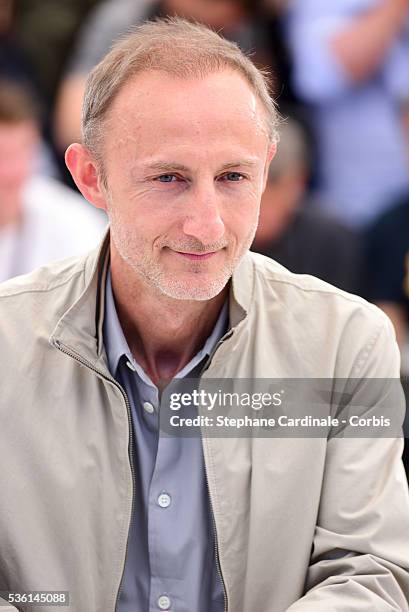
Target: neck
point(162, 333)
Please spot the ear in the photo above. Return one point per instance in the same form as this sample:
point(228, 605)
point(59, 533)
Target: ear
point(272, 150)
point(85, 173)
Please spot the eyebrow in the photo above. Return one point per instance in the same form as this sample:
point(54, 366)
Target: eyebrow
point(174, 166)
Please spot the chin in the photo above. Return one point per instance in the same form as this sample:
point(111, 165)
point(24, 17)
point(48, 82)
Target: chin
point(203, 290)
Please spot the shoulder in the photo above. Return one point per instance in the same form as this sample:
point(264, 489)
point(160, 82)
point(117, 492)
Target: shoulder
point(276, 280)
point(32, 304)
point(321, 318)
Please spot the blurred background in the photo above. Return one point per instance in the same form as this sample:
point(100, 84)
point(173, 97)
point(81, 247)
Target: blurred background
point(337, 201)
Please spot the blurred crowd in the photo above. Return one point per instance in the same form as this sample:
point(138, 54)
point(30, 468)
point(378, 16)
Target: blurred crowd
point(337, 200)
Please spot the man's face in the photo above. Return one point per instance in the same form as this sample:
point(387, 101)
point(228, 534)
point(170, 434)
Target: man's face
point(185, 162)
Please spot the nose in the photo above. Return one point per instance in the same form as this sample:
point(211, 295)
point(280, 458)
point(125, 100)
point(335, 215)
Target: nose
point(203, 220)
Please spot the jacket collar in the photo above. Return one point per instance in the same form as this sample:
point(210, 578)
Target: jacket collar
point(80, 329)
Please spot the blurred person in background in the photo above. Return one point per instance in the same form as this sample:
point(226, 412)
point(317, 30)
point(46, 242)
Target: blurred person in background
point(294, 231)
point(14, 64)
point(45, 30)
point(387, 268)
point(387, 277)
point(40, 219)
point(17, 66)
point(238, 19)
point(351, 65)
point(274, 14)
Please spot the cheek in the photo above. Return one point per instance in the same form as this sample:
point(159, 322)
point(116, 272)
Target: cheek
point(242, 225)
point(136, 209)
point(141, 227)
point(242, 210)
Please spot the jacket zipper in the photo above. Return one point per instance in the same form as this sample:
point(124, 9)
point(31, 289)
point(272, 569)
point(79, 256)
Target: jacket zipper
point(86, 363)
point(216, 546)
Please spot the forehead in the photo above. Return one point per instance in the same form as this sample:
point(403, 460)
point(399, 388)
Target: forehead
point(157, 108)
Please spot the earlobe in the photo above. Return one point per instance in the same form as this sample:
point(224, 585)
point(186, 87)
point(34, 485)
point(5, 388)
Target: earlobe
point(84, 171)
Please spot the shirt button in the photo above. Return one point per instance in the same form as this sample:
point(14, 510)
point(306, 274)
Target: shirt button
point(131, 366)
point(164, 602)
point(164, 500)
point(147, 406)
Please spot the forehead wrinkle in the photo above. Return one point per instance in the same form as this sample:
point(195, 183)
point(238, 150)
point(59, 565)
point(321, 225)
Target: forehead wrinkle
point(165, 165)
point(245, 163)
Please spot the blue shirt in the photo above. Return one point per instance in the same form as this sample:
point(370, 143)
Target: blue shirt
point(170, 562)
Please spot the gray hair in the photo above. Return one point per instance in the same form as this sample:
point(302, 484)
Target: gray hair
point(177, 47)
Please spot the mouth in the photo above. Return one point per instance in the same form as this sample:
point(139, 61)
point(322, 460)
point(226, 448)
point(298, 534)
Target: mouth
point(197, 256)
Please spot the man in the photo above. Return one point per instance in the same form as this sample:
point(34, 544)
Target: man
point(40, 219)
point(294, 230)
point(178, 133)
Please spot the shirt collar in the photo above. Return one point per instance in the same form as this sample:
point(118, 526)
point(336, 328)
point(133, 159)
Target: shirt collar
point(116, 345)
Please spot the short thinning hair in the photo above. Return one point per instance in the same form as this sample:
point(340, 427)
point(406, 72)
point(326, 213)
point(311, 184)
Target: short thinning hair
point(174, 46)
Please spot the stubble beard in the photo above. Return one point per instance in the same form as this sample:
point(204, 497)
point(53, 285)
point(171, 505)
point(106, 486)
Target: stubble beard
point(134, 250)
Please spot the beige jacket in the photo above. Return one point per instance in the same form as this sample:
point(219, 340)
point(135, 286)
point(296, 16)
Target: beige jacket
point(304, 525)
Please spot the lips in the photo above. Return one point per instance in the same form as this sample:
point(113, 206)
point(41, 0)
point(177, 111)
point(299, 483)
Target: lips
point(197, 256)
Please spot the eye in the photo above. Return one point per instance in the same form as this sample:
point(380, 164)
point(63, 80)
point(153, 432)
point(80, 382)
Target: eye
point(233, 176)
point(167, 178)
